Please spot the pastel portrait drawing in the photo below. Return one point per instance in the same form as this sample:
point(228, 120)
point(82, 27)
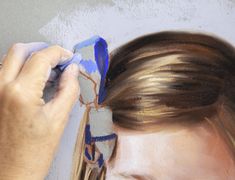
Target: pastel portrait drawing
point(170, 98)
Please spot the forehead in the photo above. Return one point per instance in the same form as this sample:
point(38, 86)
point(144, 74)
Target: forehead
point(184, 153)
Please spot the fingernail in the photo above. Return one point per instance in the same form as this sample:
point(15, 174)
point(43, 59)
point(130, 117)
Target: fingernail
point(73, 69)
point(68, 54)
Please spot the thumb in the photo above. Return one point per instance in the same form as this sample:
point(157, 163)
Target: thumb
point(66, 96)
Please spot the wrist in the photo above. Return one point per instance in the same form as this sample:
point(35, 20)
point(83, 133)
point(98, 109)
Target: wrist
point(13, 172)
point(21, 164)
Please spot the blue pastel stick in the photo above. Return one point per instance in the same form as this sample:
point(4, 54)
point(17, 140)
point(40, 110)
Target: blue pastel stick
point(75, 59)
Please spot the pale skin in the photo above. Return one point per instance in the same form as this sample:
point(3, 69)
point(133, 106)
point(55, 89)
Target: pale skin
point(30, 129)
point(184, 153)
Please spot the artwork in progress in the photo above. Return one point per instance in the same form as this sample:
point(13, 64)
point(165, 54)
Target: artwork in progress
point(170, 99)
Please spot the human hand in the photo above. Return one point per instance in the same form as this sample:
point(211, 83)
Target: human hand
point(30, 129)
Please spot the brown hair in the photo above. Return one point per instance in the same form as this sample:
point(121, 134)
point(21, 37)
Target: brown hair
point(163, 77)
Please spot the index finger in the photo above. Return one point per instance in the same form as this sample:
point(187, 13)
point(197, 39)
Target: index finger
point(16, 57)
point(36, 70)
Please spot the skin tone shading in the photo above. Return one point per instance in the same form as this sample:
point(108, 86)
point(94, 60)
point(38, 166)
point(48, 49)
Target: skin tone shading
point(189, 153)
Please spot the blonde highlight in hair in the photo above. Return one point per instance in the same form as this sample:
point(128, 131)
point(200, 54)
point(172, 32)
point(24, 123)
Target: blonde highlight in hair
point(164, 77)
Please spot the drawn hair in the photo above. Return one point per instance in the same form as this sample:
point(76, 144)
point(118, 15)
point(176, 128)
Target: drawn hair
point(163, 78)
